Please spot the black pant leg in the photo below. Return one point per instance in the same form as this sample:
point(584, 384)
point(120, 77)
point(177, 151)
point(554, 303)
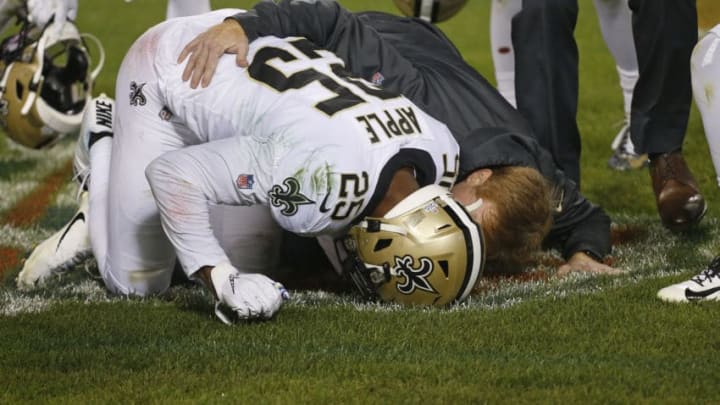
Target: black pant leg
point(546, 77)
point(665, 33)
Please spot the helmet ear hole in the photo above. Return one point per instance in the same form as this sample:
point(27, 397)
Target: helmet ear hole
point(382, 244)
point(444, 266)
point(19, 89)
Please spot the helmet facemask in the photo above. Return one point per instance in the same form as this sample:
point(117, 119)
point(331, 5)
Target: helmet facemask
point(427, 251)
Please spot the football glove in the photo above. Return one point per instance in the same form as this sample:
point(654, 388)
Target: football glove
point(249, 296)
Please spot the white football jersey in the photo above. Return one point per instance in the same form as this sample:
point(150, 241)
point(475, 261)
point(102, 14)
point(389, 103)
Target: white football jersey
point(316, 145)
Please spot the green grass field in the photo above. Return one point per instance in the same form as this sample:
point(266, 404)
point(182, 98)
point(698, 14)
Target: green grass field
point(581, 339)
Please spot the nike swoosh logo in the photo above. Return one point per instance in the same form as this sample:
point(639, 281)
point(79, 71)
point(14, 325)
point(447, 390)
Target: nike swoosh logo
point(78, 217)
point(323, 208)
point(559, 207)
point(698, 295)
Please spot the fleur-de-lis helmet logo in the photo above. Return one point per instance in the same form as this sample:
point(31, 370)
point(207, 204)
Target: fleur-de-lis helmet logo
point(415, 277)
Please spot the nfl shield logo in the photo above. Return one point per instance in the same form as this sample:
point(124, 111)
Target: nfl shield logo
point(245, 181)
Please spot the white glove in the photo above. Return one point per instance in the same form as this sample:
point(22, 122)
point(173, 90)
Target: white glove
point(250, 296)
point(40, 11)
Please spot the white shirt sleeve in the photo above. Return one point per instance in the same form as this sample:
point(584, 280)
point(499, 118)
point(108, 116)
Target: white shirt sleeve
point(185, 183)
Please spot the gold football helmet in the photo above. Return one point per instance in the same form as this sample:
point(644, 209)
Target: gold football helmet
point(46, 83)
point(427, 250)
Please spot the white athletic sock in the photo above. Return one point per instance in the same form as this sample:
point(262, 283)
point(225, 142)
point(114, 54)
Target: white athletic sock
point(616, 25)
point(501, 15)
point(628, 78)
point(506, 86)
point(182, 8)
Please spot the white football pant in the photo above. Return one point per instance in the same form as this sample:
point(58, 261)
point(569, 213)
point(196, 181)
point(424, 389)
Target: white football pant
point(705, 73)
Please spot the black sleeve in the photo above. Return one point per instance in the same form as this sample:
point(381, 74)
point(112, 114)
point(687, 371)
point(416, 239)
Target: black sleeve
point(315, 20)
point(578, 224)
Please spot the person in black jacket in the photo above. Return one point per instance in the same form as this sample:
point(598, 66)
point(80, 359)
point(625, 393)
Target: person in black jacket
point(416, 59)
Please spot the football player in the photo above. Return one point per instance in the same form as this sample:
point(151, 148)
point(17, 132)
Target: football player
point(705, 73)
point(415, 58)
point(615, 24)
point(325, 151)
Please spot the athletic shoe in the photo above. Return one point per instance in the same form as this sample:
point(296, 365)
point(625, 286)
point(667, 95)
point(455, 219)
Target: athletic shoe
point(624, 156)
point(703, 287)
point(64, 249)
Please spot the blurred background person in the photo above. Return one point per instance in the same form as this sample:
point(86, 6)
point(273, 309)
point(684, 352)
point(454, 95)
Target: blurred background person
point(615, 24)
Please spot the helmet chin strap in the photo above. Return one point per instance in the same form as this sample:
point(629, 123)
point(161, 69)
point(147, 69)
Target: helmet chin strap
point(475, 205)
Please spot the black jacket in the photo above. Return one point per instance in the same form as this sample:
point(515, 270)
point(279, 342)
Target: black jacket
point(412, 57)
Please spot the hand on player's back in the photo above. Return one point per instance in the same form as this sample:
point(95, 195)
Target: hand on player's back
point(206, 49)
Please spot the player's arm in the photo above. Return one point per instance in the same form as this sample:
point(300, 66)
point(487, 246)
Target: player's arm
point(580, 229)
point(315, 20)
point(185, 183)
point(324, 22)
point(579, 226)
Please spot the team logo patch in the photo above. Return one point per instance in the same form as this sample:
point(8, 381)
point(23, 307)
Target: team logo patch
point(136, 94)
point(288, 197)
point(415, 278)
point(165, 114)
point(377, 79)
point(245, 181)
